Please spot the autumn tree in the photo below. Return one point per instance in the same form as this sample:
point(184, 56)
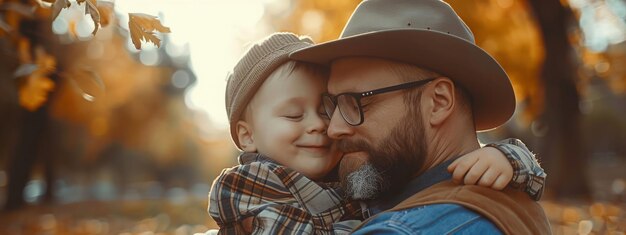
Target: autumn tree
point(30, 53)
point(563, 148)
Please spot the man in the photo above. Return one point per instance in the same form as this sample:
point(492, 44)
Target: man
point(407, 92)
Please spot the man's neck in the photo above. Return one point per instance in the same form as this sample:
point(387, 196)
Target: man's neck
point(448, 145)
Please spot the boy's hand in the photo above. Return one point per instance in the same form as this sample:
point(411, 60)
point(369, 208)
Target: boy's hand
point(486, 167)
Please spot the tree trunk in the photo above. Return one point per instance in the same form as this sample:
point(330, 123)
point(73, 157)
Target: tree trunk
point(22, 162)
point(563, 152)
point(33, 130)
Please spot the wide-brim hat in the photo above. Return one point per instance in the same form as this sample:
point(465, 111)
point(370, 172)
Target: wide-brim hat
point(428, 34)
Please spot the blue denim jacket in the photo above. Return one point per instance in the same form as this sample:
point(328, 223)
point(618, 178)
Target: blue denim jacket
point(428, 219)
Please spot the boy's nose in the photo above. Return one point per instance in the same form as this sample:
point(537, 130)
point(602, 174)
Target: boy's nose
point(316, 125)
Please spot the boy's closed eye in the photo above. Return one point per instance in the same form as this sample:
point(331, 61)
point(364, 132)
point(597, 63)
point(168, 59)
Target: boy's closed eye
point(291, 112)
point(293, 117)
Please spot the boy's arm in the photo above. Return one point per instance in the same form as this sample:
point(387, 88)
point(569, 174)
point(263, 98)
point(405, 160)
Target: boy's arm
point(261, 199)
point(528, 175)
point(243, 200)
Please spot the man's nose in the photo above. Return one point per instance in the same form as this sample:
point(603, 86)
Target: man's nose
point(338, 127)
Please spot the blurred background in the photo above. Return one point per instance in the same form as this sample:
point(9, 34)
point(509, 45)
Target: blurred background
point(101, 133)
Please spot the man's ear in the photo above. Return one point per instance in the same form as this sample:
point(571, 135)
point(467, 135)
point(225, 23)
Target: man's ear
point(244, 135)
point(443, 100)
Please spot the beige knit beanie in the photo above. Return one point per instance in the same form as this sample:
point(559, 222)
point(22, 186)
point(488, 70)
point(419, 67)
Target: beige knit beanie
point(252, 70)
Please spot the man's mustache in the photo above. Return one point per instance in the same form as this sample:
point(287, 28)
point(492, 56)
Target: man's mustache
point(348, 146)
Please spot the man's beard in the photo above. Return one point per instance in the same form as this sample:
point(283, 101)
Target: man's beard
point(389, 165)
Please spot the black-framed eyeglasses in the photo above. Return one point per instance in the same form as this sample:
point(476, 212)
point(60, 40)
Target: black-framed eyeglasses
point(349, 103)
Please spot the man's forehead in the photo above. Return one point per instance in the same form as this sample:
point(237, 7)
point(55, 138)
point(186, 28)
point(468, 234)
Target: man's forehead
point(355, 74)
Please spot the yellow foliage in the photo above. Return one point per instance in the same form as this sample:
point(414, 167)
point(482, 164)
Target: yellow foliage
point(597, 210)
point(571, 215)
point(142, 27)
point(90, 8)
point(328, 18)
point(33, 92)
point(508, 32)
point(106, 12)
point(99, 126)
point(23, 51)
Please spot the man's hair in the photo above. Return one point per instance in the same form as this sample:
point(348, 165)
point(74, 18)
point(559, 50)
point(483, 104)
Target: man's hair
point(409, 73)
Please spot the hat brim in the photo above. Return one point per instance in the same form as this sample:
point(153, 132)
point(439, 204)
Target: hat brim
point(493, 99)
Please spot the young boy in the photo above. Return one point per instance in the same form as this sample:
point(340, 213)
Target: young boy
point(285, 181)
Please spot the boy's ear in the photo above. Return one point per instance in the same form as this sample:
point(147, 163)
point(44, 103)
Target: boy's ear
point(244, 135)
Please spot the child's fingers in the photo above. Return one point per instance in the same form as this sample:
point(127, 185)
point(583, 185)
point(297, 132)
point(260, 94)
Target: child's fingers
point(502, 181)
point(488, 178)
point(453, 165)
point(474, 174)
point(459, 160)
point(462, 165)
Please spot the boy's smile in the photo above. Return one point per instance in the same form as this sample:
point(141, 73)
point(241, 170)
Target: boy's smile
point(315, 149)
point(319, 145)
point(285, 121)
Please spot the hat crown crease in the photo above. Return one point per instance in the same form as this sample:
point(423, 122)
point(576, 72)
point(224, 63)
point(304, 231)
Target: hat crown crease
point(381, 15)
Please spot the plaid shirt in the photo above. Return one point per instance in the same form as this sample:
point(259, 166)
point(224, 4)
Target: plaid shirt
point(528, 175)
point(280, 201)
point(283, 201)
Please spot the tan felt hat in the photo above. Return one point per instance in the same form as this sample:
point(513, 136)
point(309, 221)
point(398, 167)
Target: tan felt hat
point(254, 68)
point(429, 34)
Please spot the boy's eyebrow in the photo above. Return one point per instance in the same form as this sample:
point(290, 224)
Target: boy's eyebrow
point(295, 99)
point(290, 101)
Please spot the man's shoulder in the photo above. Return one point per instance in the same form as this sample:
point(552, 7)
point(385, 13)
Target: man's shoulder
point(430, 219)
point(509, 210)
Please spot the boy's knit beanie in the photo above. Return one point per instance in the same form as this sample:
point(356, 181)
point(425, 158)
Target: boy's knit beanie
point(252, 70)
